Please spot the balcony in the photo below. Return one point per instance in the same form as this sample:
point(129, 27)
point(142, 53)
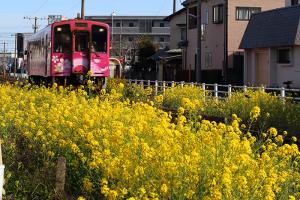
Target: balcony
point(126, 30)
point(161, 30)
point(136, 31)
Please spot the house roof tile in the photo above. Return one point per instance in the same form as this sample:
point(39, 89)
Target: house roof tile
point(274, 28)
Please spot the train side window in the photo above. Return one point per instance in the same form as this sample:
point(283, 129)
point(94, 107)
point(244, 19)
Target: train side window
point(99, 39)
point(62, 39)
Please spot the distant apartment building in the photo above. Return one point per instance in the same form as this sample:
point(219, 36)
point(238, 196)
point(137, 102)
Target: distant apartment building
point(223, 25)
point(126, 31)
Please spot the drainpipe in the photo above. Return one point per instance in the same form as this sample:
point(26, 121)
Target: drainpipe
point(199, 34)
point(225, 67)
point(186, 35)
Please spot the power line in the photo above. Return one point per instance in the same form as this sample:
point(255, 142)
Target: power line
point(35, 25)
point(42, 5)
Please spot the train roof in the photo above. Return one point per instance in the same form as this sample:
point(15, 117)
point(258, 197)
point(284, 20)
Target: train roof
point(79, 20)
point(49, 26)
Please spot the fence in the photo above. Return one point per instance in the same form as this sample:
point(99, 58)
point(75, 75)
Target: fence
point(217, 90)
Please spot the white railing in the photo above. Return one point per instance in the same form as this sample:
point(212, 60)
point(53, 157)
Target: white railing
point(216, 90)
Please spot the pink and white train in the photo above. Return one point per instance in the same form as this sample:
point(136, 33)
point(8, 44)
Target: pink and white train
point(67, 50)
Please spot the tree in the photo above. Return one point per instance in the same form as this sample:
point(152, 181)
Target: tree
point(146, 49)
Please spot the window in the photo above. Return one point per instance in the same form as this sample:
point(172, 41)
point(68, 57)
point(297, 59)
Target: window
point(81, 41)
point(206, 17)
point(161, 39)
point(118, 24)
point(218, 14)
point(131, 24)
point(99, 39)
point(294, 2)
point(161, 24)
point(244, 13)
point(208, 59)
point(203, 31)
point(130, 39)
point(62, 39)
point(182, 34)
point(284, 56)
point(193, 17)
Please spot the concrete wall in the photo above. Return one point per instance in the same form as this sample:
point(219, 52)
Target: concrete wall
point(279, 73)
point(289, 72)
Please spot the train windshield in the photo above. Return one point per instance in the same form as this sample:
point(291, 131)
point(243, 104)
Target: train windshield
point(62, 39)
point(81, 41)
point(99, 39)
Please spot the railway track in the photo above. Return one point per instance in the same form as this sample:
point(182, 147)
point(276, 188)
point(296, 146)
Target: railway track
point(9, 79)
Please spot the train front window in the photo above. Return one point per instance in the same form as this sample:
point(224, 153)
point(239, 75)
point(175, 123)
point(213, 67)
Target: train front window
point(99, 39)
point(81, 41)
point(62, 39)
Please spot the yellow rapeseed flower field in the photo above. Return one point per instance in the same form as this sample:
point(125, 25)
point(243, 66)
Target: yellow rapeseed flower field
point(121, 149)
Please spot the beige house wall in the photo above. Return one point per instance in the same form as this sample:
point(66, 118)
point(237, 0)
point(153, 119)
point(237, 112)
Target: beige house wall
point(175, 30)
point(213, 41)
point(214, 37)
point(191, 49)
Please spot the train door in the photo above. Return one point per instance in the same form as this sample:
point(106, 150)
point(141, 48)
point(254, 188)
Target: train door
point(62, 51)
point(81, 52)
point(99, 57)
point(46, 56)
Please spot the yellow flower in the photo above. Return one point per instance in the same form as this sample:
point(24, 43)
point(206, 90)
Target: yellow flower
point(121, 86)
point(88, 185)
point(164, 188)
point(291, 197)
point(255, 113)
point(273, 132)
point(180, 110)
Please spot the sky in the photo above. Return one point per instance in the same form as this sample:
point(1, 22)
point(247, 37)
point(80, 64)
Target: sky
point(12, 12)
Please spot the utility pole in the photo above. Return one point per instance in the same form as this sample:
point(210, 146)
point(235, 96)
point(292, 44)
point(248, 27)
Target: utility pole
point(82, 9)
point(16, 56)
point(174, 6)
point(35, 25)
point(199, 34)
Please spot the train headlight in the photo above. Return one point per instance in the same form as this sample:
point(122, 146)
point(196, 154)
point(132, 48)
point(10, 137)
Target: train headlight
point(101, 30)
point(59, 29)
